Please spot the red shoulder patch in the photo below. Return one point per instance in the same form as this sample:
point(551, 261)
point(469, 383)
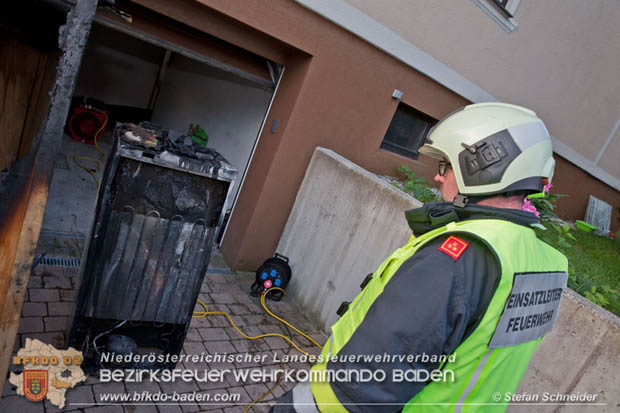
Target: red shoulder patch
point(454, 247)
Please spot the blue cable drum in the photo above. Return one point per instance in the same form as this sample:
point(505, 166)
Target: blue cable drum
point(276, 272)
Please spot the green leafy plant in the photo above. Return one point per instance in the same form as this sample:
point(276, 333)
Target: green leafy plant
point(545, 204)
point(563, 234)
point(593, 263)
point(416, 186)
point(596, 297)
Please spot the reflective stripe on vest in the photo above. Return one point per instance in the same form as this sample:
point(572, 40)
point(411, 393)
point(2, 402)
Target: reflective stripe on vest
point(302, 398)
point(479, 372)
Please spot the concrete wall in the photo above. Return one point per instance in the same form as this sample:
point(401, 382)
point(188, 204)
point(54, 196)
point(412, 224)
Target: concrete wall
point(118, 69)
point(228, 108)
point(562, 61)
point(344, 223)
point(580, 355)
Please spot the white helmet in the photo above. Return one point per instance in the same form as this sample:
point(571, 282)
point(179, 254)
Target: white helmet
point(494, 148)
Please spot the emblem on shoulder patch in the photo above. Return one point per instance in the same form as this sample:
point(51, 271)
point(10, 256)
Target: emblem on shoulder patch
point(454, 247)
point(35, 384)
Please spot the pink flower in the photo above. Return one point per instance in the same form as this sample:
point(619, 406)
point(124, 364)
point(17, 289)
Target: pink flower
point(527, 206)
point(547, 188)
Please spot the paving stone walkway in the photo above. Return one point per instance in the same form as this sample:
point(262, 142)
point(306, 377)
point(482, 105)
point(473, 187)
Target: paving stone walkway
point(48, 309)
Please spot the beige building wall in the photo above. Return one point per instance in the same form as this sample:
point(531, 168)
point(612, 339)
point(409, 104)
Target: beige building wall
point(562, 61)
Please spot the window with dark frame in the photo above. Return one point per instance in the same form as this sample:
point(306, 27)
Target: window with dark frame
point(407, 131)
point(508, 6)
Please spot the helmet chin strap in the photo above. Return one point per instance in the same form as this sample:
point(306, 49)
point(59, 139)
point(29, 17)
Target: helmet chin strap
point(460, 200)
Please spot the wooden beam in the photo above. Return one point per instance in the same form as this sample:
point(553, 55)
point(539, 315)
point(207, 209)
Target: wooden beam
point(25, 221)
point(18, 79)
point(161, 74)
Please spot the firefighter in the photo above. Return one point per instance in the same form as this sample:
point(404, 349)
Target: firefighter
point(468, 299)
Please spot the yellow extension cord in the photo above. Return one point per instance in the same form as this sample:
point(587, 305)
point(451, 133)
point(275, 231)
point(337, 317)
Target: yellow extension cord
point(199, 314)
point(101, 154)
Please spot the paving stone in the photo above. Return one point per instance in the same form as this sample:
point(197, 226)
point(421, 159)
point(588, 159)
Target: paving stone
point(257, 390)
point(194, 365)
point(240, 380)
point(111, 387)
point(200, 322)
point(189, 407)
point(238, 309)
point(194, 348)
point(220, 278)
point(244, 397)
point(50, 270)
point(179, 386)
point(56, 339)
point(9, 389)
point(223, 298)
point(212, 286)
point(143, 386)
point(104, 409)
point(62, 308)
point(239, 322)
point(254, 307)
point(251, 331)
point(315, 351)
point(249, 346)
point(298, 365)
point(56, 281)
point(218, 307)
point(217, 405)
point(213, 334)
point(31, 325)
point(68, 295)
point(44, 296)
point(219, 321)
point(169, 408)
point(137, 408)
point(215, 384)
point(56, 323)
point(301, 323)
point(35, 282)
point(287, 385)
point(274, 328)
point(319, 337)
point(92, 379)
point(198, 309)
point(276, 343)
point(193, 335)
point(261, 407)
point(219, 347)
point(79, 394)
point(278, 392)
point(253, 319)
point(19, 404)
point(256, 360)
point(34, 310)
